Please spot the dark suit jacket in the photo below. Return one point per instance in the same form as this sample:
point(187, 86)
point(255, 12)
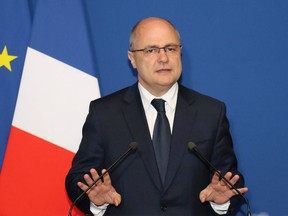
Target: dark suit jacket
point(116, 120)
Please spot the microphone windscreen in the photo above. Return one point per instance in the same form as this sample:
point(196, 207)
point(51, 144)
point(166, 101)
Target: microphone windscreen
point(191, 146)
point(133, 145)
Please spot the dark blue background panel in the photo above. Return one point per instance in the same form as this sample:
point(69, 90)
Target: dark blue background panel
point(234, 50)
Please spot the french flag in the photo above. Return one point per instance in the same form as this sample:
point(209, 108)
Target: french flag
point(57, 84)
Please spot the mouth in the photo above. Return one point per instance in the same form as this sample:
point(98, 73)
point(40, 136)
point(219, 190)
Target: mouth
point(163, 70)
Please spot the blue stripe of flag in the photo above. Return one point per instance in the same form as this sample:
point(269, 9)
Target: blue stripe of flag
point(63, 33)
point(15, 26)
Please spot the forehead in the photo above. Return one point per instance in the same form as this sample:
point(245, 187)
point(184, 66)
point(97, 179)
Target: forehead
point(155, 32)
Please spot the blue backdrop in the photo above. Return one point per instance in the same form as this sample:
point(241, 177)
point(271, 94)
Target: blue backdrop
point(233, 50)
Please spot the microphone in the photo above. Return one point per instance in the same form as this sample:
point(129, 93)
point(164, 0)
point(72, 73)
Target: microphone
point(193, 148)
point(132, 147)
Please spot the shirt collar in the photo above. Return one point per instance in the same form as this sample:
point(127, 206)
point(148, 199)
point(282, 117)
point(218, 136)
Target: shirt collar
point(170, 96)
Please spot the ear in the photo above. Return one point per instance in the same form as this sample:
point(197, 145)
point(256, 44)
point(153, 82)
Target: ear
point(132, 59)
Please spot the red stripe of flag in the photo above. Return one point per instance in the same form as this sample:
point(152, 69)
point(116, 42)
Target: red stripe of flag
point(33, 166)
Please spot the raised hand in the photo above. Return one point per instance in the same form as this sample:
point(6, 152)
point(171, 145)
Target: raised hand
point(102, 192)
point(218, 191)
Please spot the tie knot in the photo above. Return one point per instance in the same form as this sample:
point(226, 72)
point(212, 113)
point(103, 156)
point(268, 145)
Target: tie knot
point(159, 105)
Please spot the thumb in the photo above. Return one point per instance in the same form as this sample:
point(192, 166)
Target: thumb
point(203, 196)
point(117, 198)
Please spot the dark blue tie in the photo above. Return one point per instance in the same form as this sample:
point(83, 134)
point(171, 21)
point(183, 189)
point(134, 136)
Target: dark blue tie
point(161, 137)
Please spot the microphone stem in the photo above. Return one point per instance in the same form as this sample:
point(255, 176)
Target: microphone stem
point(100, 177)
point(209, 165)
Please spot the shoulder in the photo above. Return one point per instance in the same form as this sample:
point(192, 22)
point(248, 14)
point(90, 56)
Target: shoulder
point(192, 96)
point(117, 98)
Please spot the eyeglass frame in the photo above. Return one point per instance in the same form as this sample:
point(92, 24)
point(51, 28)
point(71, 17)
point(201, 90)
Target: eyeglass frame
point(159, 48)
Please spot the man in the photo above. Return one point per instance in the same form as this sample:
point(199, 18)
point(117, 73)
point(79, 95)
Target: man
point(142, 184)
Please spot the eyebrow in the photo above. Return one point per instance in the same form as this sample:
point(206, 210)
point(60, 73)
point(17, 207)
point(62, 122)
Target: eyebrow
point(155, 46)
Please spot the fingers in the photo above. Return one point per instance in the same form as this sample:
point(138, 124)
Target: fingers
point(101, 191)
point(89, 181)
point(219, 191)
point(115, 197)
point(241, 190)
point(94, 175)
point(82, 186)
point(217, 179)
point(233, 180)
point(106, 179)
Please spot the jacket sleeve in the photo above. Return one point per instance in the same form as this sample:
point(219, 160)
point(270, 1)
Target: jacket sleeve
point(89, 155)
point(224, 156)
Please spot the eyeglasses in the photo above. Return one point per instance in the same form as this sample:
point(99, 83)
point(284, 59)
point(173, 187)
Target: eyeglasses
point(169, 50)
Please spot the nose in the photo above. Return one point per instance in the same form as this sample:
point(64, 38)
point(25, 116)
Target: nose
point(162, 55)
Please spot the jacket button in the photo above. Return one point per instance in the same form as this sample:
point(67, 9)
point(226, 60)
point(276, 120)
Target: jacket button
point(163, 207)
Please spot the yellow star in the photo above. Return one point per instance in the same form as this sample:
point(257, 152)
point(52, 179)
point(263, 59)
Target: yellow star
point(5, 59)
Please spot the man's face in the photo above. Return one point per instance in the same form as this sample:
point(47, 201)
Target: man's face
point(159, 71)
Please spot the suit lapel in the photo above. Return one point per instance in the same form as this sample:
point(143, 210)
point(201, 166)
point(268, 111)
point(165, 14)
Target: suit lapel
point(134, 114)
point(182, 128)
